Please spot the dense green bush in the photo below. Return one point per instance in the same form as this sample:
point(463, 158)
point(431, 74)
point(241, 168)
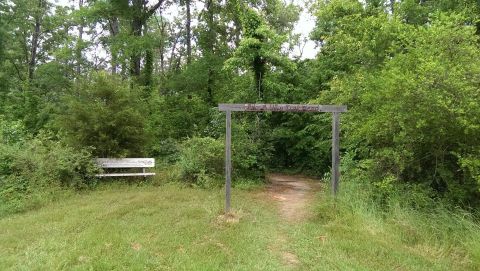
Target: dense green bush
point(107, 114)
point(252, 145)
point(201, 160)
point(302, 142)
point(12, 132)
point(414, 120)
point(36, 171)
point(173, 118)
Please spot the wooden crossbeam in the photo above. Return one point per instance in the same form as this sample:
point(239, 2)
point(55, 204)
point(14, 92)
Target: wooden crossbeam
point(283, 107)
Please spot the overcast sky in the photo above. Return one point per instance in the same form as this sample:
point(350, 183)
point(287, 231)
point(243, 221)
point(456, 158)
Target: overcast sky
point(304, 26)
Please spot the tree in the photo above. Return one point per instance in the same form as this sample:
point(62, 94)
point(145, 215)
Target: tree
point(38, 18)
point(259, 50)
point(127, 23)
point(188, 26)
point(104, 113)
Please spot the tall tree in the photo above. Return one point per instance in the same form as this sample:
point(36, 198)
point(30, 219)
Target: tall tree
point(127, 23)
point(188, 29)
point(139, 13)
point(79, 42)
point(38, 14)
point(259, 50)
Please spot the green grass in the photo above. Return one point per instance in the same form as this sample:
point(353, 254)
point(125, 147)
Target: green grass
point(353, 241)
point(122, 227)
point(141, 228)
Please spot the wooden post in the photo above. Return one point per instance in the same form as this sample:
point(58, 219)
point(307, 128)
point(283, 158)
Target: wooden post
point(335, 152)
point(228, 159)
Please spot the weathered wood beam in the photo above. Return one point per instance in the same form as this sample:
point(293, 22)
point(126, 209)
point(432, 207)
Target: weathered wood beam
point(335, 152)
point(228, 160)
point(283, 107)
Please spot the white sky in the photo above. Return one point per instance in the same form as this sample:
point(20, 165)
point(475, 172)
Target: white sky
point(303, 27)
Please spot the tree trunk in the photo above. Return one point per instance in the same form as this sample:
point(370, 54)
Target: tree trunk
point(172, 54)
point(137, 24)
point(140, 16)
point(136, 56)
point(210, 48)
point(259, 70)
point(162, 45)
point(148, 69)
point(36, 34)
point(80, 42)
point(113, 28)
point(210, 87)
point(188, 29)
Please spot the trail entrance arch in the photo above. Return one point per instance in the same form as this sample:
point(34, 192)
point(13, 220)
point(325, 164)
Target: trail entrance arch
point(334, 109)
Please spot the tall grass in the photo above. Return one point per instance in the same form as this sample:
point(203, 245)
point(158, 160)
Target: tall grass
point(394, 231)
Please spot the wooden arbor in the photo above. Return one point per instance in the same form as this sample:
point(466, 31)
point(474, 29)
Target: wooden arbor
point(334, 109)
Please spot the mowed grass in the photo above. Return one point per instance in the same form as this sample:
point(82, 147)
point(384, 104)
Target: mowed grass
point(171, 227)
point(142, 228)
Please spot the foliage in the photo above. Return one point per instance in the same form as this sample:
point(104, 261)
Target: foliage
point(105, 114)
point(258, 49)
point(12, 132)
point(201, 160)
point(300, 142)
point(412, 100)
point(176, 116)
point(37, 171)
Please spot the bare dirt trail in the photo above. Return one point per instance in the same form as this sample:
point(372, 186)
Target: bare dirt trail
point(294, 195)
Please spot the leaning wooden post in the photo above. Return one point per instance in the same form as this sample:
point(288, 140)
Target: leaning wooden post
point(335, 152)
point(228, 159)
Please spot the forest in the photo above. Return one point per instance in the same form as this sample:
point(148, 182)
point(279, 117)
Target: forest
point(82, 79)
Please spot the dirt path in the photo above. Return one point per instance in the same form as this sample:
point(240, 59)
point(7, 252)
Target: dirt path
point(293, 195)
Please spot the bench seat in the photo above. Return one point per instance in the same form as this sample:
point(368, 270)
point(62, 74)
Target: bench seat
point(120, 163)
point(125, 174)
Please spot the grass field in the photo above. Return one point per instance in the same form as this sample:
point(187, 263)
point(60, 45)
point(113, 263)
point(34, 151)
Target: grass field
point(170, 227)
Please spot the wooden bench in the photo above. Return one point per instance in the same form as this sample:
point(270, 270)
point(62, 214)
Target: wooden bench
point(142, 163)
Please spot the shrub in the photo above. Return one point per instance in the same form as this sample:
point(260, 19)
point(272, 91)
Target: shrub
point(38, 170)
point(11, 131)
point(201, 160)
point(251, 142)
point(106, 114)
point(166, 149)
point(176, 116)
point(416, 115)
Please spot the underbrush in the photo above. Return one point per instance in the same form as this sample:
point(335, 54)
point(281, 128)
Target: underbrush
point(201, 163)
point(39, 170)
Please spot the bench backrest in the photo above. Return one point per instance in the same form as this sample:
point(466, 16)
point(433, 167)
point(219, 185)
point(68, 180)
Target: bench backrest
point(125, 162)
